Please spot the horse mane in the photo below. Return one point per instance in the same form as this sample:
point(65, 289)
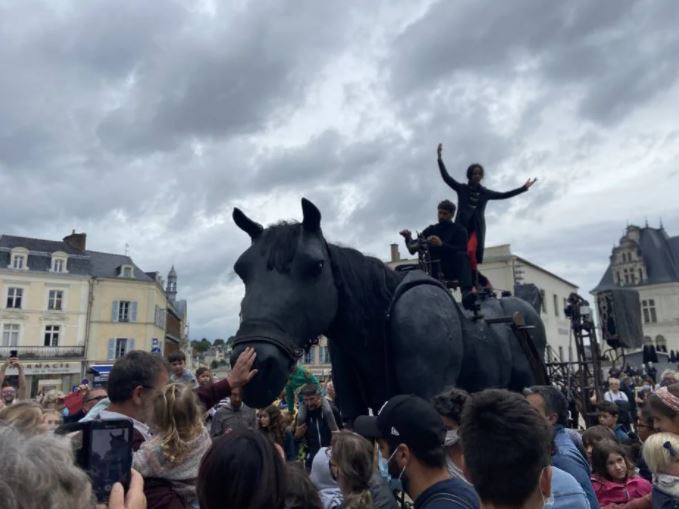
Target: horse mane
point(365, 286)
point(280, 241)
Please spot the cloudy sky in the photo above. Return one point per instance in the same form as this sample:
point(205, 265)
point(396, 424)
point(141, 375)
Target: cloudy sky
point(146, 122)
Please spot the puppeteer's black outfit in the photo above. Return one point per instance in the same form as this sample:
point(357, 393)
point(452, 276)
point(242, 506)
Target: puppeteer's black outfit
point(471, 207)
point(452, 255)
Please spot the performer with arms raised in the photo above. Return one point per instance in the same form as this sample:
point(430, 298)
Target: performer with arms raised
point(472, 199)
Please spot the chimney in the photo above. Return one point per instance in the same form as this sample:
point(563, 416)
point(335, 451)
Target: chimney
point(76, 241)
point(395, 255)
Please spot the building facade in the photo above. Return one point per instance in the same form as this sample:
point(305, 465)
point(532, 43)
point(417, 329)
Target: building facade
point(647, 260)
point(505, 270)
point(45, 289)
point(69, 311)
point(317, 359)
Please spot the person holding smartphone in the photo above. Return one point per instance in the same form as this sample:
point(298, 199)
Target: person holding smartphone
point(10, 394)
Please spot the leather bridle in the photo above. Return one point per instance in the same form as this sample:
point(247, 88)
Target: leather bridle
point(268, 333)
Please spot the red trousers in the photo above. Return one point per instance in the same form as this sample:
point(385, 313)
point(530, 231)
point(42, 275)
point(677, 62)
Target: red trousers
point(472, 244)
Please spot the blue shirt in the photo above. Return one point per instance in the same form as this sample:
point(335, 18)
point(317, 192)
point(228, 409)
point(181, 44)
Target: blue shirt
point(568, 458)
point(566, 492)
point(449, 494)
point(621, 434)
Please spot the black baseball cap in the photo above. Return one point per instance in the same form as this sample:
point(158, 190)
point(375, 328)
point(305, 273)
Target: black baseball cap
point(405, 419)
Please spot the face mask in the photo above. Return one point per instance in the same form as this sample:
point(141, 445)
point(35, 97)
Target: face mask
point(452, 438)
point(383, 467)
point(400, 476)
point(546, 502)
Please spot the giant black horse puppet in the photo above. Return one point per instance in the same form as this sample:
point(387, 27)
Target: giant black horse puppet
point(298, 286)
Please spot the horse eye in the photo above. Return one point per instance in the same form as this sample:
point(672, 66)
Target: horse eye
point(316, 268)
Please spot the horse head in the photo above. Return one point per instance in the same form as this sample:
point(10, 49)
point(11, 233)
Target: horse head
point(290, 298)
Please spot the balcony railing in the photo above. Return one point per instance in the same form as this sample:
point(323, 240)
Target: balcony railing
point(43, 352)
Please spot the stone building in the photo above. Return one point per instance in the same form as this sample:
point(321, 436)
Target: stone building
point(647, 260)
point(68, 310)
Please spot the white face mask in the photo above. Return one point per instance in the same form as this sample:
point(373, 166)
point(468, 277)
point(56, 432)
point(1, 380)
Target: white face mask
point(404, 466)
point(452, 437)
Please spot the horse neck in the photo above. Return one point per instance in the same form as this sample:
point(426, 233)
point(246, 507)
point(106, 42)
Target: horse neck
point(364, 287)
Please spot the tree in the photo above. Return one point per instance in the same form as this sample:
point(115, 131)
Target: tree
point(201, 346)
point(214, 364)
point(218, 342)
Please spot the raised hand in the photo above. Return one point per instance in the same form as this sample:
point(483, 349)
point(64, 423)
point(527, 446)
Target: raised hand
point(242, 371)
point(529, 183)
point(406, 234)
point(439, 150)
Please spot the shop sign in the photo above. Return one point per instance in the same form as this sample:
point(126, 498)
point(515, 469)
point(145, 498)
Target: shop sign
point(47, 368)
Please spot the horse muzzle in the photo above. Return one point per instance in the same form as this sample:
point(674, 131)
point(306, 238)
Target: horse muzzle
point(275, 360)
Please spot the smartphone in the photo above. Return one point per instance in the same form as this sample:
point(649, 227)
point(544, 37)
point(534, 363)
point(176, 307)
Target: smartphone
point(104, 451)
point(14, 353)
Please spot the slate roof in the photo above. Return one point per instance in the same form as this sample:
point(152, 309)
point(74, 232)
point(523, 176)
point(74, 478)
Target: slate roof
point(92, 263)
point(661, 256)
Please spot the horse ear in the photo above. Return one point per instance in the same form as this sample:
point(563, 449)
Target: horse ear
point(246, 224)
point(312, 216)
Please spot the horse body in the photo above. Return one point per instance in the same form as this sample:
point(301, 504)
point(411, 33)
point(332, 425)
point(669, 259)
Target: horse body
point(298, 287)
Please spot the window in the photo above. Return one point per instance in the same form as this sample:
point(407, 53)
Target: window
point(325, 355)
point(55, 300)
point(561, 357)
point(309, 356)
point(52, 335)
point(543, 304)
point(124, 311)
point(120, 348)
point(159, 317)
point(10, 334)
point(556, 305)
point(641, 275)
point(58, 265)
point(648, 310)
point(18, 262)
point(126, 271)
point(14, 297)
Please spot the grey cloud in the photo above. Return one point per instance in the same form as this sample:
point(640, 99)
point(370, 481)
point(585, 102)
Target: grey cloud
point(593, 45)
point(146, 125)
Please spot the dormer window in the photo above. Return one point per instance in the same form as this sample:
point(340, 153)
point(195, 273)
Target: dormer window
point(127, 271)
point(19, 259)
point(59, 262)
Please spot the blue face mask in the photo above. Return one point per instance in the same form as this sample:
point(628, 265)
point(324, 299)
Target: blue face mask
point(383, 466)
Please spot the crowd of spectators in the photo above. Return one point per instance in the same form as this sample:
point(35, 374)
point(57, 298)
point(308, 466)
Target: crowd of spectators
point(197, 444)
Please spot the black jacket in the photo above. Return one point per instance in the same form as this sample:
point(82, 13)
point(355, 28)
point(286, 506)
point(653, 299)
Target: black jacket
point(453, 253)
point(318, 433)
point(471, 206)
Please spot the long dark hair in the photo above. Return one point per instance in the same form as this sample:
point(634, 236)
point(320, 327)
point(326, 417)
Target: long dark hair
point(302, 493)
point(276, 428)
point(241, 470)
point(365, 286)
point(602, 450)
